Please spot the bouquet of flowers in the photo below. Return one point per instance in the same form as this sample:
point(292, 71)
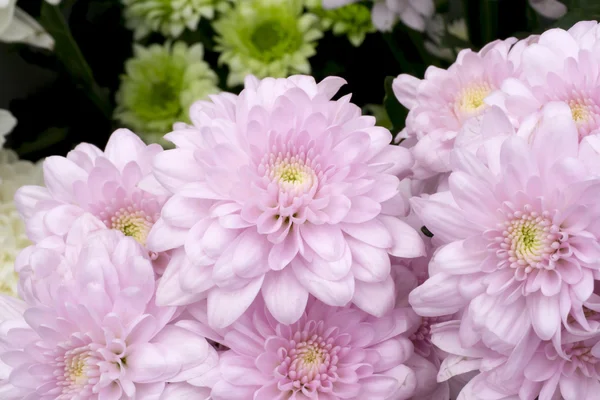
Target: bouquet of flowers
point(261, 236)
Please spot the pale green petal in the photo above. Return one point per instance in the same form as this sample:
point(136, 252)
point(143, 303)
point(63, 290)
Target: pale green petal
point(160, 84)
point(353, 20)
point(168, 17)
point(266, 38)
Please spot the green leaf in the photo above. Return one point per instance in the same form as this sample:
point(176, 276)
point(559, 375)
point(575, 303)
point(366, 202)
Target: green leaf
point(68, 53)
point(396, 111)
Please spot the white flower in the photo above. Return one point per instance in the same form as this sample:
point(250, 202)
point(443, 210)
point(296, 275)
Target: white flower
point(17, 26)
point(14, 173)
point(385, 13)
point(7, 123)
point(552, 9)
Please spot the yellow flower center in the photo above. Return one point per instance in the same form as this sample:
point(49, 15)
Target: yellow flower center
point(471, 99)
point(580, 111)
point(132, 223)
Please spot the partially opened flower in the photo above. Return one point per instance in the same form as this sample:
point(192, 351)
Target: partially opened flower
point(160, 84)
point(266, 38)
point(13, 174)
point(100, 335)
point(330, 353)
point(442, 103)
point(101, 183)
point(281, 190)
point(352, 20)
point(521, 243)
point(169, 17)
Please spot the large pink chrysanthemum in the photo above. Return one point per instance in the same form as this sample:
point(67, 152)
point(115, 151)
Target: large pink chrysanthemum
point(99, 334)
point(445, 100)
point(284, 191)
point(330, 353)
point(101, 183)
point(554, 69)
point(521, 235)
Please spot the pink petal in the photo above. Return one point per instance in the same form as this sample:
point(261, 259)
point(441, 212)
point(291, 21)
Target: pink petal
point(326, 240)
point(334, 293)
point(284, 285)
point(226, 306)
point(407, 243)
point(376, 298)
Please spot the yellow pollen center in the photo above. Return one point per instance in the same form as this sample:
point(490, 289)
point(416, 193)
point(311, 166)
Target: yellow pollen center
point(291, 174)
point(472, 98)
point(313, 356)
point(132, 223)
point(579, 111)
point(76, 371)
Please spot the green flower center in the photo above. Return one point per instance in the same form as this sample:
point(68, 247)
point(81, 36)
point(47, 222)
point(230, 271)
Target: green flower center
point(266, 35)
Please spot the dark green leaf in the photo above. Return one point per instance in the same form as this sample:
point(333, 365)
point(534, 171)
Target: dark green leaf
point(69, 54)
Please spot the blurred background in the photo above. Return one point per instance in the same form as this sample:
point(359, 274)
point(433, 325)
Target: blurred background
point(90, 80)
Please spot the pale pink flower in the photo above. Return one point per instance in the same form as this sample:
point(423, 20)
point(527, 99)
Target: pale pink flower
point(281, 190)
point(99, 335)
point(554, 69)
point(521, 235)
point(101, 183)
point(330, 353)
point(442, 103)
point(386, 13)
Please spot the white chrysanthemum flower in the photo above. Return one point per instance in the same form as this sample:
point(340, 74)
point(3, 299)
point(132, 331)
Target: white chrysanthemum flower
point(14, 173)
point(169, 17)
point(18, 26)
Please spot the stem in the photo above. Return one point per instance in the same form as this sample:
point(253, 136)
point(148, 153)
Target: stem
point(69, 54)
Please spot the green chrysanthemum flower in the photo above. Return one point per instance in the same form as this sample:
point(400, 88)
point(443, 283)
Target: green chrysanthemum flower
point(159, 85)
point(353, 20)
point(266, 38)
point(169, 17)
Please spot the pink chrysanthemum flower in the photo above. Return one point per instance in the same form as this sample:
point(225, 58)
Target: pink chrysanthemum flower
point(99, 335)
point(521, 239)
point(554, 69)
point(330, 353)
point(101, 183)
point(284, 191)
point(445, 100)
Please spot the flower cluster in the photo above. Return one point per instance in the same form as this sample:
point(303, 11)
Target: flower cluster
point(266, 255)
point(284, 248)
point(506, 180)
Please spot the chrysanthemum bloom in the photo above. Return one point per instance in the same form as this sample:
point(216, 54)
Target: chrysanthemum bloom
point(554, 69)
point(352, 20)
point(284, 191)
point(445, 100)
point(101, 183)
point(13, 174)
point(330, 353)
point(159, 85)
point(169, 17)
point(266, 38)
point(385, 13)
point(100, 335)
point(522, 247)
